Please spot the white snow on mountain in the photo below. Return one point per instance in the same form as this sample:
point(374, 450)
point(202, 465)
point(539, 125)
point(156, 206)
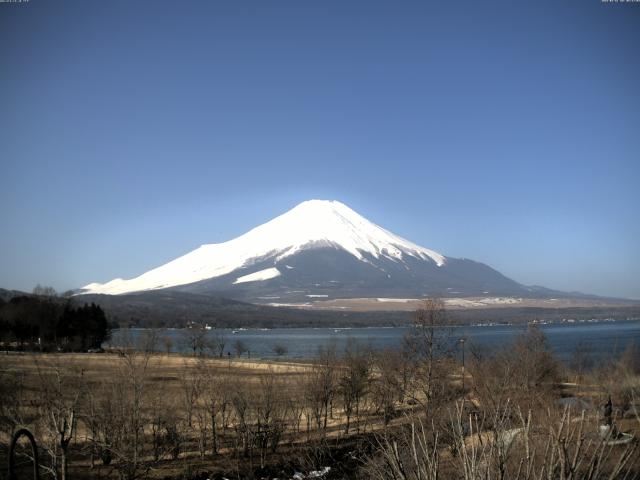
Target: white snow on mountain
point(265, 274)
point(310, 224)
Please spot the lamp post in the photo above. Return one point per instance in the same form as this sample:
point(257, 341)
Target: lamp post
point(462, 340)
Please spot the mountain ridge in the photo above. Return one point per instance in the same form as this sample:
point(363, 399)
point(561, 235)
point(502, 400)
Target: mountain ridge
point(308, 225)
point(320, 249)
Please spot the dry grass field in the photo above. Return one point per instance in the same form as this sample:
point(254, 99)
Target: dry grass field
point(180, 395)
point(138, 414)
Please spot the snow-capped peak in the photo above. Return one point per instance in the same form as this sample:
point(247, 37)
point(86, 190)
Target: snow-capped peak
point(310, 224)
point(333, 222)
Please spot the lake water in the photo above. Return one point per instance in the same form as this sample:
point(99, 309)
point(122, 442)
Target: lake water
point(604, 339)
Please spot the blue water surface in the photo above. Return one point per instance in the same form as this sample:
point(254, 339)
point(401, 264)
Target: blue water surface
point(603, 340)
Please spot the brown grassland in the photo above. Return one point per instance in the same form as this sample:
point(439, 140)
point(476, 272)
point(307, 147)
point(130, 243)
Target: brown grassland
point(416, 413)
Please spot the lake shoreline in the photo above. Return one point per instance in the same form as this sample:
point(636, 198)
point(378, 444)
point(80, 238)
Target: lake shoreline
point(604, 339)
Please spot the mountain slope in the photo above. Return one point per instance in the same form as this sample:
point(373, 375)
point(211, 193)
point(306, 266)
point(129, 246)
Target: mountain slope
point(326, 272)
point(169, 308)
point(319, 249)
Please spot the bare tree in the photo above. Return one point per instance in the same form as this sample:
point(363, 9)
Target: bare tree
point(194, 339)
point(167, 341)
point(505, 445)
point(321, 386)
point(217, 343)
point(89, 417)
point(240, 347)
point(538, 368)
point(411, 455)
point(241, 407)
point(191, 386)
point(148, 340)
point(215, 390)
point(201, 410)
point(387, 387)
point(354, 381)
point(582, 359)
point(13, 401)
point(44, 291)
point(271, 413)
point(523, 373)
point(59, 403)
point(429, 344)
point(280, 350)
point(162, 424)
point(124, 403)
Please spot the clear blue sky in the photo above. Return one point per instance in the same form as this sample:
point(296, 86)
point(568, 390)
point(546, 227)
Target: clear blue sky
point(507, 132)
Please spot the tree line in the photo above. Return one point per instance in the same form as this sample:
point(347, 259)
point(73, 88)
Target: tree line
point(47, 322)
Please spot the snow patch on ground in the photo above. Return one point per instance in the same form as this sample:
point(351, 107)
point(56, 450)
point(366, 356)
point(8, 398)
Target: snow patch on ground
point(396, 300)
point(290, 305)
point(502, 300)
point(481, 302)
point(462, 302)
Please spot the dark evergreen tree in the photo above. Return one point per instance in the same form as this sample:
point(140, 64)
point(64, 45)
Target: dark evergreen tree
point(52, 323)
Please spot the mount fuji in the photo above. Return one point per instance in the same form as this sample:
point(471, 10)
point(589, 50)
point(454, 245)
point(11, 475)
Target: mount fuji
point(320, 250)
